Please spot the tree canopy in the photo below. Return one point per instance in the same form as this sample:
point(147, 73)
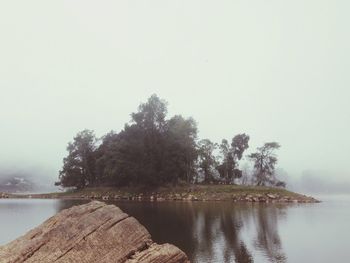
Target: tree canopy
point(153, 150)
point(265, 161)
point(79, 166)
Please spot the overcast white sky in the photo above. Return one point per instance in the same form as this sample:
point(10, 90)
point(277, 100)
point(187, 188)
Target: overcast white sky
point(277, 70)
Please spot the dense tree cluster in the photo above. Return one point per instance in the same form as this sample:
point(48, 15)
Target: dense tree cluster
point(152, 150)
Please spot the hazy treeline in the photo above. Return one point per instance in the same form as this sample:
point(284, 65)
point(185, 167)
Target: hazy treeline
point(25, 179)
point(155, 150)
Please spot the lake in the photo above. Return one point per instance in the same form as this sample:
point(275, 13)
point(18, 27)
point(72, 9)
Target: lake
point(218, 231)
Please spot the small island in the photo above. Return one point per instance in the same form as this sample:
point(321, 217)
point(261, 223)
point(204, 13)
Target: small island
point(234, 193)
point(159, 159)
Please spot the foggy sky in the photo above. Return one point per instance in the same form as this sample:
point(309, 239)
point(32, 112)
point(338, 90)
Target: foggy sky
point(277, 70)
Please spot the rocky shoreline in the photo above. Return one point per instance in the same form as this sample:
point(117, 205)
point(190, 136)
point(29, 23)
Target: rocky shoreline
point(257, 198)
point(208, 193)
point(232, 193)
point(275, 198)
point(4, 195)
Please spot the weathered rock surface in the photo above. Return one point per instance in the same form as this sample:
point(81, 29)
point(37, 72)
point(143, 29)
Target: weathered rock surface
point(94, 232)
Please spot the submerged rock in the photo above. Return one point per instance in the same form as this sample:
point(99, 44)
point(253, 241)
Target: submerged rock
point(93, 232)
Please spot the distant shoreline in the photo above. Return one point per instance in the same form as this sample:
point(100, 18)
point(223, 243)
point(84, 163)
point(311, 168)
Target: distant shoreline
point(234, 193)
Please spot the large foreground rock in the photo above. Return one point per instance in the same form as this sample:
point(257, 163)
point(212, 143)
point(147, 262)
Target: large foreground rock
point(93, 232)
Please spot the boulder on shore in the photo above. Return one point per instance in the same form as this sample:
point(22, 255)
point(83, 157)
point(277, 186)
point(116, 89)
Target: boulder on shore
point(4, 195)
point(93, 232)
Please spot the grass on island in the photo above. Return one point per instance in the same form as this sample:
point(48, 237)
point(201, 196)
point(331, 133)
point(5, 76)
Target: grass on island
point(222, 192)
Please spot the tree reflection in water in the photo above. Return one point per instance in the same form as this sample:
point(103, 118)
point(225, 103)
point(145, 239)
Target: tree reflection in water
point(268, 240)
point(231, 224)
point(211, 231)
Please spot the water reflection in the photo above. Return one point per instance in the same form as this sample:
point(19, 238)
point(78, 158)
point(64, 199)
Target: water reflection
point(234, 247)
point(215, 232)
point(206, 231)
point(65, 204)
point(218, 232)
point(268, 239)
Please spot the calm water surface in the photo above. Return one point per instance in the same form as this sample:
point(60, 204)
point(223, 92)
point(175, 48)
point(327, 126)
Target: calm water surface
point(218, 232)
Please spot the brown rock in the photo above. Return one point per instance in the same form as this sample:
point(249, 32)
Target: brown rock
point(105, 197)
point(4, 195)
point(271, 196)
point(158, 254)
point(94, 232)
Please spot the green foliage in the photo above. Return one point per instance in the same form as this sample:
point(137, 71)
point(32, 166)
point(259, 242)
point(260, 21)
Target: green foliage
point(153, 150)
point(180, 151)
point(149, 151)
point(207, 160)
point(151, 115)
point(79, 166)
point(239, 145)
point(231, 155)
point(265, 161)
